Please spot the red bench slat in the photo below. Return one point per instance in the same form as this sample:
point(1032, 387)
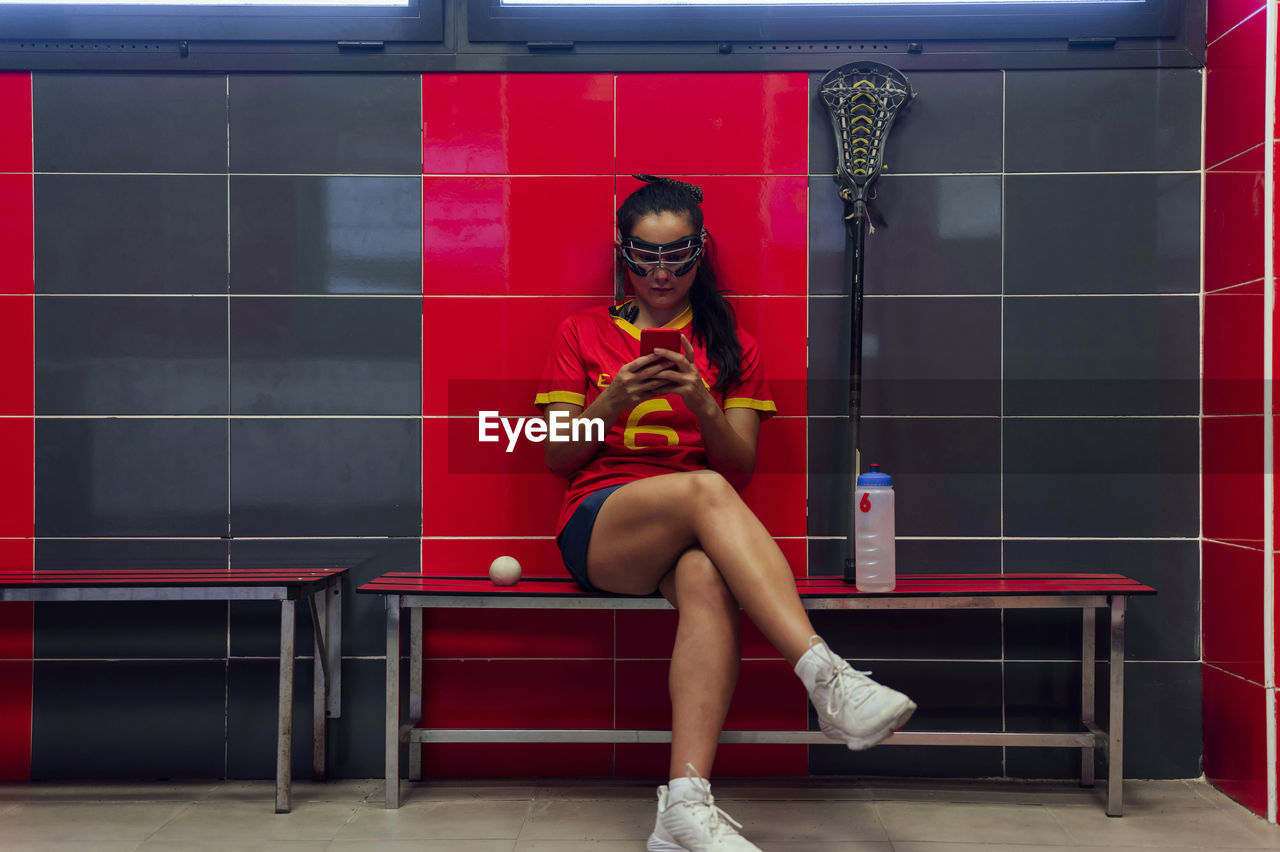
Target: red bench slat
point(165, 577)
point(940, 585)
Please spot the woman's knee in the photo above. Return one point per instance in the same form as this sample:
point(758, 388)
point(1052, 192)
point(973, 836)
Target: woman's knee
point(709, 489)
point(699, 583)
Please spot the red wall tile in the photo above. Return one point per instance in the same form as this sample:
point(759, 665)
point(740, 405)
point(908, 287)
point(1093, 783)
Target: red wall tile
point(17, 477)
point(473, 489)
point(1235, 91)
point(734, 760)
point(651, 634)
point(498, 369)
point(1232, 608)
point(768, 697)
point(527, 236)
point(1231, 482)
point(16, 618)
point(470, 557)
point(759, 230)
point(524, 633)
point(17, 246)
point(779, 325)
point(15, 122)
point(735, 124)
point(1225, 14)
point(1233, 228)
point(516, 760)
point(777, 493)
point(15, 720)
point(17, 355)
point(515, 124)
point(1235, 737)
point(1234, 361)
point(518, 694)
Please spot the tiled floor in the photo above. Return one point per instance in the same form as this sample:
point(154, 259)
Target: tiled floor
point(833, 815)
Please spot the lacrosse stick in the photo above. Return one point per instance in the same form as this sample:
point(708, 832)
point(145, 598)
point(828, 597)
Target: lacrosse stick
point(862, 100)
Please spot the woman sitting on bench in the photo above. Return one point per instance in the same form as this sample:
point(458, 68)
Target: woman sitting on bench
point(655, 506)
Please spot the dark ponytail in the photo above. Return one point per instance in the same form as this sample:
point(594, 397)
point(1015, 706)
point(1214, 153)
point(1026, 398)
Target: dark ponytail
point(715, 325)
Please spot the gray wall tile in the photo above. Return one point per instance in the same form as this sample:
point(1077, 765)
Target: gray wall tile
point(131, 355)
point(319, 356)
point(1111, 477)
point(326, 477)
point(1106, 120)
point(105, 477)
point(130, 234)
point(931, 357)
point(1163, 627)
point(336, 124)
point(941, 236)
point(1130, 233)
point(252, 687)
point(144, 122)
point(150, 720)
point(326, 235)
point(1102, 356)
point(1162, 717)
point(946, 474)
point(912, 635)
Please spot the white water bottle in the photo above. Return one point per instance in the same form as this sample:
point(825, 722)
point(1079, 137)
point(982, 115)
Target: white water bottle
point(873, 532)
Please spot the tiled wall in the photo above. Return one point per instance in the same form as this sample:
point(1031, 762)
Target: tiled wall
point(229, 366)
point(1235, 563)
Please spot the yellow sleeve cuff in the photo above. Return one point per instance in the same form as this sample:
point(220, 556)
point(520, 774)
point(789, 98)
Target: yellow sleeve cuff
point(561, 396)
point(755, 404)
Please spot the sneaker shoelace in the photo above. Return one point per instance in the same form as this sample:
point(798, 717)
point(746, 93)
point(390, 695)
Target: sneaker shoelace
point(842, 689)
point(712, 818)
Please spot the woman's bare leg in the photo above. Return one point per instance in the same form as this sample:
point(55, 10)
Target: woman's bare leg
point(645, 526)
point(704, 661)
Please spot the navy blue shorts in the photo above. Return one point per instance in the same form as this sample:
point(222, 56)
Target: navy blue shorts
point(576, 535)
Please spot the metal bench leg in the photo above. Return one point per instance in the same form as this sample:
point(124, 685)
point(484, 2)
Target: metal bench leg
point(1115, 731)
point(393, 702)
point(415, 689)
point(333, 645)
point(319, 601)
point(284, 721)
point(1087, 700)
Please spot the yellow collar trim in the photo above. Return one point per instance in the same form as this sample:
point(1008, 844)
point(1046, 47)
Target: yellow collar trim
point(683, 319)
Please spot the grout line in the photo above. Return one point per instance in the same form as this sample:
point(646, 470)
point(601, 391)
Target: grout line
point(1265, 7)
point(422, 312)
point(1204, 93)
point(1004, 135)
point(1204, 98)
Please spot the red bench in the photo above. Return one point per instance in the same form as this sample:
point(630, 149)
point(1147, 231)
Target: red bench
point(320, 588)
point(1086, 592)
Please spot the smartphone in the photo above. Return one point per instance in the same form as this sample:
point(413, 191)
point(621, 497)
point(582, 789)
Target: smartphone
point(660, 338)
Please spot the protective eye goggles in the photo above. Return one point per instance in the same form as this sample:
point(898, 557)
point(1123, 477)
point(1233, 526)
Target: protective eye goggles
point(677, 256)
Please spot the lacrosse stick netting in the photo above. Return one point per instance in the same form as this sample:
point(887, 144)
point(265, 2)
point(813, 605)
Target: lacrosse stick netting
point(862, 100)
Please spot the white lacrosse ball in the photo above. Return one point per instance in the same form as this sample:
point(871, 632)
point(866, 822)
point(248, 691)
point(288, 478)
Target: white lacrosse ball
point(504, 571)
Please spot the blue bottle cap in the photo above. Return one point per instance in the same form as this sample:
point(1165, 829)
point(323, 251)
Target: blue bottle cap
point(874, 477)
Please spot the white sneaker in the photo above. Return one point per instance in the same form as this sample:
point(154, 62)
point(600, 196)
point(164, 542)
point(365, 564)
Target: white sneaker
point(695, 825)
point(853, 708)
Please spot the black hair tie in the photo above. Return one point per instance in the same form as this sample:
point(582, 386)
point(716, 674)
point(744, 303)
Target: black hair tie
point(695, 191)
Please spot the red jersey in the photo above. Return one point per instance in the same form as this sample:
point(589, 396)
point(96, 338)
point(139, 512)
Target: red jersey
point(659, 435)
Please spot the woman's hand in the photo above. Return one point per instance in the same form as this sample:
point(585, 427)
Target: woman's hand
point(683, 378)
point(637, 381)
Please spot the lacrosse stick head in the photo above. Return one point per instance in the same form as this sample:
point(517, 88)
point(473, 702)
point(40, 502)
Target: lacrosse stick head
point(862, 100)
